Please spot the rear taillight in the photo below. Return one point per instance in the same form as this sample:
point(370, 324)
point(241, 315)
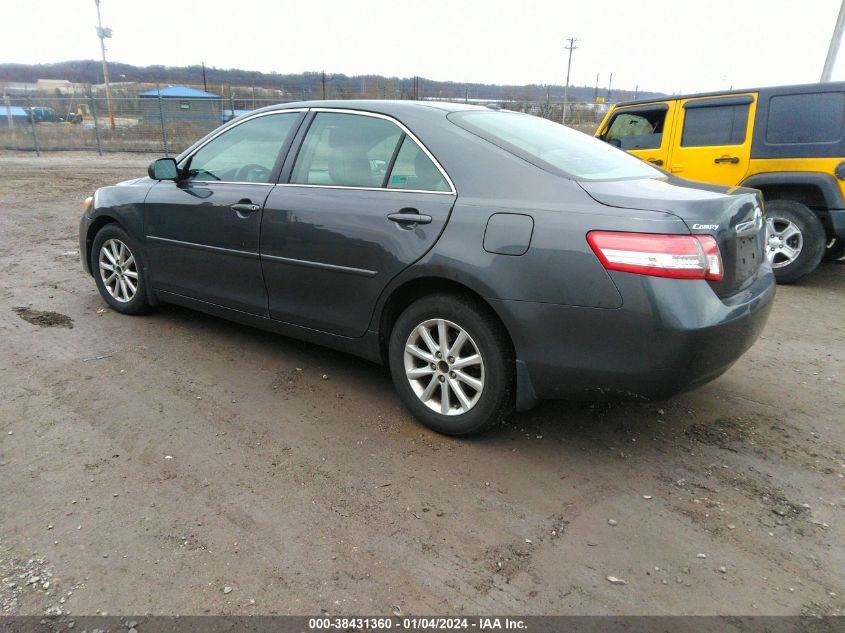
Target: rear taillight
point(675, 256)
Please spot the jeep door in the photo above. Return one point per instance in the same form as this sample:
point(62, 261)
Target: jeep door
point(363, 200)
point(642, 130)
point(713, 138)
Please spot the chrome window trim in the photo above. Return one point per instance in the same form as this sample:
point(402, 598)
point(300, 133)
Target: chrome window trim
point(377, 115)
point(230, 182)
point(296, 184)
point(226, 129)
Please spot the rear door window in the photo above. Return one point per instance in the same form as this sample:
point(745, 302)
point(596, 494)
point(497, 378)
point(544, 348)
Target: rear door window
point(713, 125)
point(413, 169)
point(806, 118)
point(347, 150)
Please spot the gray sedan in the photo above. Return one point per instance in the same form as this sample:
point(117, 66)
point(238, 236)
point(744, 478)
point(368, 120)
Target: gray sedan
point(489, 258)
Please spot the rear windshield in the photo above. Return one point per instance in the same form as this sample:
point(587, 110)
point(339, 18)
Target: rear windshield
point(553, 147)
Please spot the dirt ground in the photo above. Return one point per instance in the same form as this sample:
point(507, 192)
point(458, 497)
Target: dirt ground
point(180, 464)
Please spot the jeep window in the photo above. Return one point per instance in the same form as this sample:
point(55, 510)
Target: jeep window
point(552, 146)
point(637, 129)
point(807, 118)
point(715, 125)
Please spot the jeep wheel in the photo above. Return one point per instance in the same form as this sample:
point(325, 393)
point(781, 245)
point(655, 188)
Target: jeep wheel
point(796, 240)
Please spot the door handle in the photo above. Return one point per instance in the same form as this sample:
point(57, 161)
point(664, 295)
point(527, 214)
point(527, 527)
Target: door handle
point(655, 161)
point(726, 159)
point(409, 217)
point(245, 208)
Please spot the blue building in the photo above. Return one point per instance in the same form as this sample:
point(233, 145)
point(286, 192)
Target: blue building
point(18, 114)
point(181, 104)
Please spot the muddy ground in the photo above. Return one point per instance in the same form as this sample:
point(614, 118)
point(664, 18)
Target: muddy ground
point(179, 464)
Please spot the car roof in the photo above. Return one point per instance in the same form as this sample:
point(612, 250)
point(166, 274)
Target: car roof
point(792, 89)
point(380, 106)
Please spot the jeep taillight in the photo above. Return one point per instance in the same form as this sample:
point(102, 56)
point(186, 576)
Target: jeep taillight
point(674, 256)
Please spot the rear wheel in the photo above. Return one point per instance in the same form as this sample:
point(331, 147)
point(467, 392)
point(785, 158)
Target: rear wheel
point(796, 240)
point(452, 364)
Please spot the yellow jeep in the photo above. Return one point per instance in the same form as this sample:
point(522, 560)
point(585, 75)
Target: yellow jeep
point(788, 142)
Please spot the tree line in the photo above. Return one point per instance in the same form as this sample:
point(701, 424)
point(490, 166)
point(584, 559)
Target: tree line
point(306, 85)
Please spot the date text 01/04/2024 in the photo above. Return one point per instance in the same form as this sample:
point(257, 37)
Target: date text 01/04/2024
point(416, 623)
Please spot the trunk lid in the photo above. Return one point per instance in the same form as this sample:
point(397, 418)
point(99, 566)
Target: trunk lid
point(732, 215)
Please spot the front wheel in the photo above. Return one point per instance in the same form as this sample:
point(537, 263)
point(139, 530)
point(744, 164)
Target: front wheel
point(796, 240)
point(119, 271)
point(452, 364)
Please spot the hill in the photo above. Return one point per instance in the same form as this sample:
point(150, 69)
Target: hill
point(307, 85)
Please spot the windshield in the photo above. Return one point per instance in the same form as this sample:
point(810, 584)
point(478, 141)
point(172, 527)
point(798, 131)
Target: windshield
point(552, 146)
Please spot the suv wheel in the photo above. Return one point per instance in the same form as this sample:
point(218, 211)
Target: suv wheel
point(796, 240)
point(452, 364)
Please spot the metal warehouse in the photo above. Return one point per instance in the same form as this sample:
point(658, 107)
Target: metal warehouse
point(181, 104)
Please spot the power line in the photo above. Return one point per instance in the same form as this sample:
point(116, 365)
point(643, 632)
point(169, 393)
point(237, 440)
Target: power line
point(571, 47)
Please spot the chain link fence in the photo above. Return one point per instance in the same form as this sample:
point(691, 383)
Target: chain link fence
point(167, 124)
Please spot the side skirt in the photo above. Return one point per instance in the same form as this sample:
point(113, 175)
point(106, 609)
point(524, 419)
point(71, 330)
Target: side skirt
point(366, 347)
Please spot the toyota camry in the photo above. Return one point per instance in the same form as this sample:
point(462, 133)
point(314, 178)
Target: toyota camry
point(490, 259)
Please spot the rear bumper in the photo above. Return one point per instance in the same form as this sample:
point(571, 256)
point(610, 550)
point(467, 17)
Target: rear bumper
point(669, 336)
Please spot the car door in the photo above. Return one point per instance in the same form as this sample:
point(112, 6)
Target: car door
point(203, 229)
point(713, 138)
point(364, 199)
point(643, 130)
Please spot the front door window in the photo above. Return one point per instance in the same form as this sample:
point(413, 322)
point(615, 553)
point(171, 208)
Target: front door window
point(246, 152)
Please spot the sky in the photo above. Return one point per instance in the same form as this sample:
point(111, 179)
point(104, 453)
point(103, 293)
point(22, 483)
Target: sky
point(667, 46)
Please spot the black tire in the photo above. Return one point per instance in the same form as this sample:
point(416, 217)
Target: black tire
point(810, 241)
point(118, 298)
point(835, 250)
point(495, 400)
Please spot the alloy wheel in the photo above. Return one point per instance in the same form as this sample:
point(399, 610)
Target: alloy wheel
point(118, 270)
point(784, 242)
point(444, 367)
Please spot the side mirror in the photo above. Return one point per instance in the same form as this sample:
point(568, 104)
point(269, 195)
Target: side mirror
point(163, 169)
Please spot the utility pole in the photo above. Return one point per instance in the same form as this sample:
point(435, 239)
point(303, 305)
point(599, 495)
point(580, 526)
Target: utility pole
point(8, 105)
point(609, 84)
point(103, 34)
point(835, 40)
point(324, 85)
point(596, 91)
point(570, 47)
point(204, 83)
point(636, 92)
